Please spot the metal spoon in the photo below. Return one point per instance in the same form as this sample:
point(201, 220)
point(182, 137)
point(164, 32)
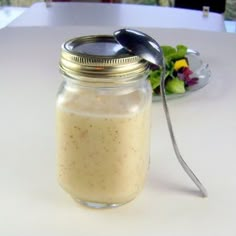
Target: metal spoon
point(143, 45)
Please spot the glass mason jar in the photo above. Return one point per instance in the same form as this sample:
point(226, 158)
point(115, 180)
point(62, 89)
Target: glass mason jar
point(103, 122)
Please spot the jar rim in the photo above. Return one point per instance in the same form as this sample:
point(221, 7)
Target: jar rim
point(99, 56)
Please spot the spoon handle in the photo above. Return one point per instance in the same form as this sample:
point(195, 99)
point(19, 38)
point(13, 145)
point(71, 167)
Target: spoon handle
point(173, 140)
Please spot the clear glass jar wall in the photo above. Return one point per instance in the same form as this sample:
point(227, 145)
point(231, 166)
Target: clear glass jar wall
point(103, 135)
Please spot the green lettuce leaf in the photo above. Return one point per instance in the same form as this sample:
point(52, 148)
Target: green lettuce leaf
point(172, 54)
point(175, 85)
point(155, 78)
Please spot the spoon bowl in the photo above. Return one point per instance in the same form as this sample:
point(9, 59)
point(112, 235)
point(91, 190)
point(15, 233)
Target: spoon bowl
point(140, 44)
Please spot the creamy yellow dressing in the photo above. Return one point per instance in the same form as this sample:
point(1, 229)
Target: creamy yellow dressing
point(102, 158)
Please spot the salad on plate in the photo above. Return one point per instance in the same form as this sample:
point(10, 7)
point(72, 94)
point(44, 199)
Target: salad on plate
point(180, 76)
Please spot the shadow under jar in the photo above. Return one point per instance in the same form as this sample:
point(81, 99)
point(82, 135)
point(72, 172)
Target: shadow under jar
point(103, 122)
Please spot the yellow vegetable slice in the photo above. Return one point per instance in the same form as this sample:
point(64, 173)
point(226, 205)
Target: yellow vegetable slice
point(180, 63)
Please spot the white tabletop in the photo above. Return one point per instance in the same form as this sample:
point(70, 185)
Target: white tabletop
point(31, 201)
point(120, 15)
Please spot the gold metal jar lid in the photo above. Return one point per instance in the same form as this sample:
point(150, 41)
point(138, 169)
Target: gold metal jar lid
point(99, 56)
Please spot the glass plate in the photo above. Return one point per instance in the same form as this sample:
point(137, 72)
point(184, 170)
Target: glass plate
point(200, 70)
